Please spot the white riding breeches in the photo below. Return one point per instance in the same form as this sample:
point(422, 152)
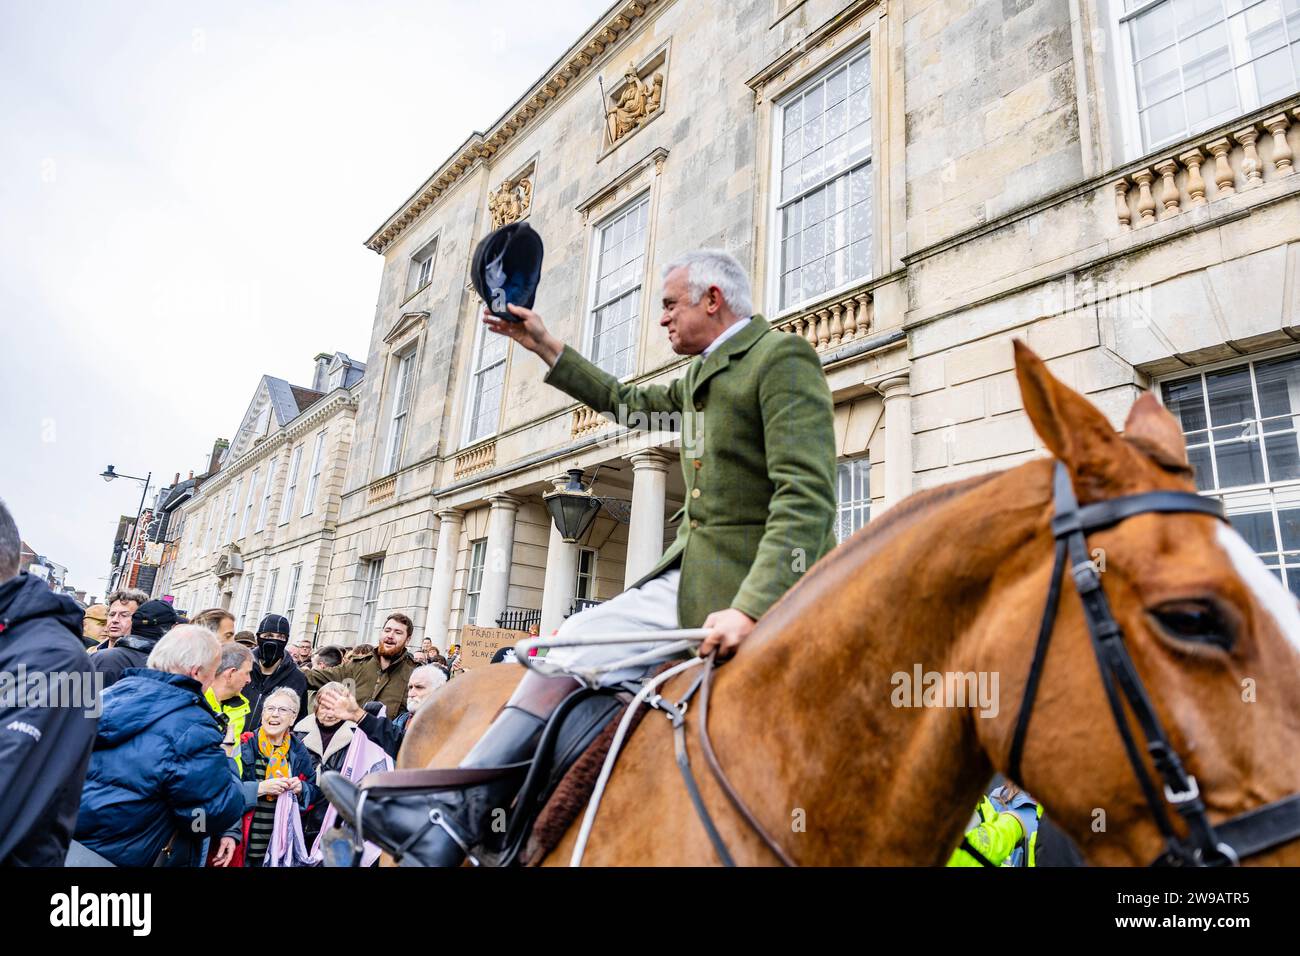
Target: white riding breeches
point(651, 607)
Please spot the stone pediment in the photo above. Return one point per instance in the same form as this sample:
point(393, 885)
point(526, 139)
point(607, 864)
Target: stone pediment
point(404, 326)
point(229, 563)
point(259, 420)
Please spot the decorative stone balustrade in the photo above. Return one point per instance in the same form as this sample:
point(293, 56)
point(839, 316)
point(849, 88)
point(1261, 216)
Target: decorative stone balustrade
point(832, 322)
point(476, 459)
point(1208, 169)
point(586, 421)
point(381, 490)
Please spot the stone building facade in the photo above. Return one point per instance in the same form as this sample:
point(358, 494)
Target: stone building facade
point(257, 536)
point(912, 185)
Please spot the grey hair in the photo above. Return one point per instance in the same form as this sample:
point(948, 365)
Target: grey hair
point(184, 648)
point(438, 677)
point(289, 692)
point(433, 669)
point(11, 545)
point(233, 656)
point(127, 594)
point(718, 268)
point(333, 685)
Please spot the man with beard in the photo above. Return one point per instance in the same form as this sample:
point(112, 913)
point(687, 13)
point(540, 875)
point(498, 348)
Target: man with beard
point(274, 668)
point(382, 676)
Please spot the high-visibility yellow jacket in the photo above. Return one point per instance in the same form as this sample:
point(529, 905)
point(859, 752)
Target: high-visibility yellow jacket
point(237, 709)
point(999, 834)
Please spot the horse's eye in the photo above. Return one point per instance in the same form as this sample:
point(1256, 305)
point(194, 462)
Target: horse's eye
point(1196, 622)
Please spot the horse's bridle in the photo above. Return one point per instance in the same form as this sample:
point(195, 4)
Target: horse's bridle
point(1248, 834)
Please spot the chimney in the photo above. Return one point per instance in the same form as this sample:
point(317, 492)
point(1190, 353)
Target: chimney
point(218, 448)
point(321, 375)
point(191, 475)
point(177, 479)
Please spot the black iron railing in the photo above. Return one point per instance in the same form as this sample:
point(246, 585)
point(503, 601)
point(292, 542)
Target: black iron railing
point(519, 619)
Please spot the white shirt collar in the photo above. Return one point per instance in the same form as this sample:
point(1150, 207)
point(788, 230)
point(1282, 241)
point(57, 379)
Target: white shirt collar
point(726, 333)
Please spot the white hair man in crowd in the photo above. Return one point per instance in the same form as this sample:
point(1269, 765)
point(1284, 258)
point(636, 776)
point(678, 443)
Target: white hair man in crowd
point(160, 780)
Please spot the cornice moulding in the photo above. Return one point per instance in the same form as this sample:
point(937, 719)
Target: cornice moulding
point(591, 50)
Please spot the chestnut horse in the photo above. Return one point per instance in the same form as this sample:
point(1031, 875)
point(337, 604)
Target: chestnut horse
point(808, 723)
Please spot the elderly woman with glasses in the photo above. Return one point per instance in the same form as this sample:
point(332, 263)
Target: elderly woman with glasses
point(274, 761)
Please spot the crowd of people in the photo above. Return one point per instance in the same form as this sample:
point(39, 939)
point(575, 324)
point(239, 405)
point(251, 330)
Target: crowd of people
point(193, 744)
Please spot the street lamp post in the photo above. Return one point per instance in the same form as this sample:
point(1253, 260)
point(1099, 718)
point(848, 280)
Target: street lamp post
point(108, 474)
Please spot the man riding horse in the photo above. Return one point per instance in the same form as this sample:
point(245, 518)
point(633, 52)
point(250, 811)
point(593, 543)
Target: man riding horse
point(758, 459)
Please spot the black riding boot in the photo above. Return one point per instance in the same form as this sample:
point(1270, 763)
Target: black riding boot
point(422, 827)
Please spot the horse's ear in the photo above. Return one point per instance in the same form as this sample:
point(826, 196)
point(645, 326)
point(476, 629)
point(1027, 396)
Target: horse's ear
point(1071, 427)
point(1156, 433)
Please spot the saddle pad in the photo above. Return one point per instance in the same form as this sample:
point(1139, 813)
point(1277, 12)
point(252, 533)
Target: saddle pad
point(571, 794)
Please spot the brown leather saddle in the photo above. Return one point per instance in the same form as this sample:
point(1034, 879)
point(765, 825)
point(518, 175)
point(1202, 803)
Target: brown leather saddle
point(553, 786)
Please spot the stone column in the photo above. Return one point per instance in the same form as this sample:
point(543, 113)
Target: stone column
point(558, 588)
point(645, 535)
point(450, 522)
point(497, 561)
point(898, 438)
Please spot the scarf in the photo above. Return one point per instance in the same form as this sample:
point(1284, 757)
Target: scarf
point(287, 847)
point(277, 758)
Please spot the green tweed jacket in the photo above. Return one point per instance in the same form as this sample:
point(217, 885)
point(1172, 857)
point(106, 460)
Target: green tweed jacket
point(758, 458)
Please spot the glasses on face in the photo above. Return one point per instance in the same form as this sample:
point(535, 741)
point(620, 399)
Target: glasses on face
point(277, 709)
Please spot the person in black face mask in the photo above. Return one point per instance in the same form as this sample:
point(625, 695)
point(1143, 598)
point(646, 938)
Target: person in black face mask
point(274, 669)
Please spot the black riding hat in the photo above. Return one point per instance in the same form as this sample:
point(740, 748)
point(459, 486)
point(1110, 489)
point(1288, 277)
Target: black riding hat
point(506, 267)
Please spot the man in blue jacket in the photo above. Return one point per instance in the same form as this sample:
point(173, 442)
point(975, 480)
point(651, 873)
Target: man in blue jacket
point(160, 777)
point(45, 733)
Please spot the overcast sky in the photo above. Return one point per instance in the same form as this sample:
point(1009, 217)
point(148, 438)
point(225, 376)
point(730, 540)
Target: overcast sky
point(185, 188)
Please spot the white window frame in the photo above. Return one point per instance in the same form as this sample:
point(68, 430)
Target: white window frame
point(1125, 65)
point(419, 270)
point(400, 414)
point(244, 601)
point(266, 495)
point(372, 574)
point(476, 375)
point(858, 467)
point(473, 587)
point(212, 527)
point(593, 279)
point(272, 582)
point(230, 514)
point(1240, 494)
point(590, 576)
point(295, 462)
point(775, 203)
point(248, 506)
point(313, 482)
point(291, 595)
